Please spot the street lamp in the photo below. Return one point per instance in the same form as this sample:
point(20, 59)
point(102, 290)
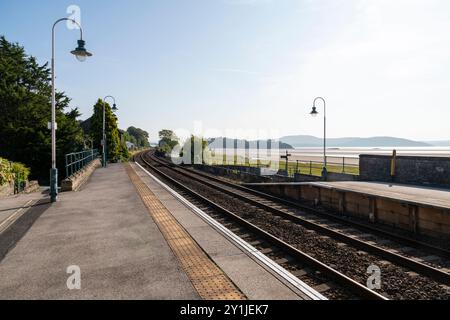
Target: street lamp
point(81, 54)
point(315, 113)
point(114, 109)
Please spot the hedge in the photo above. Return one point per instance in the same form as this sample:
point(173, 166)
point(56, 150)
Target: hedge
point(8, 171)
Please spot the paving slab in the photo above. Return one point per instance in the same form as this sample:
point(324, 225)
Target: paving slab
point(106, 231)
point(9, 205)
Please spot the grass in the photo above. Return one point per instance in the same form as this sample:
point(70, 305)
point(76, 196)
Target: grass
point(315, 169)
point(309, 168)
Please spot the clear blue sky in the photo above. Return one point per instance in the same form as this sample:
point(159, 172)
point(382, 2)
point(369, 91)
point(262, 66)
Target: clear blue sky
point(382, 65)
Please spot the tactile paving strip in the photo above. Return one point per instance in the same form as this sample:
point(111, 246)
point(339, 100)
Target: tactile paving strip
point(209, 281)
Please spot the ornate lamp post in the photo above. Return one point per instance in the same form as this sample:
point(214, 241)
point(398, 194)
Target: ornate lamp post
point(315, 113)
point(81, 54)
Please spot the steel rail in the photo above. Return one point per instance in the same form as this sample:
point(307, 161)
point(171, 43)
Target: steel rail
point(402, 239)
point(242, 244)
point(414, 265)
point(344, 280)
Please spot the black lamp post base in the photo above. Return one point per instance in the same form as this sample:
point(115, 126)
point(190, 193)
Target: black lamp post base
point(324, 174)
point(54, 185)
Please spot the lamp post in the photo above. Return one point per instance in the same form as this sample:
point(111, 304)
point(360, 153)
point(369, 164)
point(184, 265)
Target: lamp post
point(81, 54)
point(114, 108)
point(315, 113)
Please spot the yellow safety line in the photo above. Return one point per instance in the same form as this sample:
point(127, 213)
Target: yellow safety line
point(207, 278)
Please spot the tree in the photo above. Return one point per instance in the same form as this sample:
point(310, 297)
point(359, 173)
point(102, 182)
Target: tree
point(128, 137)
point(25, 110)
point(140, 137)
point(168, 141)
point(113, 144)
point(124, 153)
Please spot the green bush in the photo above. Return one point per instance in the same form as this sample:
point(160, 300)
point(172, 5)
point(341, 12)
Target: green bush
point(9, 171)
point(20, 170)
point(6, 175)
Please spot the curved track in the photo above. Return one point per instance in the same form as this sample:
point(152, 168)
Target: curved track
point(288, 215)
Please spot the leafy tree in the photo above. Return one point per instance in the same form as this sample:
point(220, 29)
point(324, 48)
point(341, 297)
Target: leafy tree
point(25, 110)
point(113, 146)
point(128, 137)
point(124, 153)
point(168, 141)
point(140, 137)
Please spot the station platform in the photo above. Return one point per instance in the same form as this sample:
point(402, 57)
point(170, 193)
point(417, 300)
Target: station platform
point(418, 210)
point(129, 238)
point(12, 206)
point(433, 197)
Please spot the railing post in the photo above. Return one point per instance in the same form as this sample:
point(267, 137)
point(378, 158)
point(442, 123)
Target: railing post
point(67, 168)
point(78, 161)
point(310, 168)
point(343, 164)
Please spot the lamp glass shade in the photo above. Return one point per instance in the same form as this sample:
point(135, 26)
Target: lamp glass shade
point(114, 108)
point(314, 112)
point(80, 52)
point(80, 58)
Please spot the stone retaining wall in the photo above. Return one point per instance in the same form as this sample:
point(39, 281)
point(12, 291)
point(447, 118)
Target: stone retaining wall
point(415, 218)
point(8, 189)
point(430, 171)
point(78, 179)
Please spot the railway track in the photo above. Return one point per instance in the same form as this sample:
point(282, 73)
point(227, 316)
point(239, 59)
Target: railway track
point(289, 235)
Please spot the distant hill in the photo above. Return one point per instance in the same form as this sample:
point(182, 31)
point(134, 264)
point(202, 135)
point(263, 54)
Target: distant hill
point(217, 143)
point(303, 141)
point(439, 143)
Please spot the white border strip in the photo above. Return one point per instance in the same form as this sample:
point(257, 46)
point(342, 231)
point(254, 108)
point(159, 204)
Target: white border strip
point(246, 247)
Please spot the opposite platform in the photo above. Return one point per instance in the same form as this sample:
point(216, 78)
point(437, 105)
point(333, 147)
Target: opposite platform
point(425, 196)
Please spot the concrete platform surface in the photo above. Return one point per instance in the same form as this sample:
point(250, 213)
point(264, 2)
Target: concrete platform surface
point(12, 204)
point(106, 231)
point(433, 197)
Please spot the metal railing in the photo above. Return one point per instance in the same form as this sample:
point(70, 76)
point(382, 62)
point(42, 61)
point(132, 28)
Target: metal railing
point(339, 165)
point(77, 161)
point(336, 165)
point(19, 183)
point(347, 165)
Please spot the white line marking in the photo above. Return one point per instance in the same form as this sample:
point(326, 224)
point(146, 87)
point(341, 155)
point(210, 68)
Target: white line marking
point(246, 247)
point(13, 217)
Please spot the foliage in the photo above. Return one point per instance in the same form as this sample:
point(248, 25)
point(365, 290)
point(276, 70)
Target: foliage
point(6, 175)
point(138, 136)
point(129, 138)
point(113, 144)
point(168, 141)
point(20, 170)
point(8, 171)
point(124, 152)
point(25, 110)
